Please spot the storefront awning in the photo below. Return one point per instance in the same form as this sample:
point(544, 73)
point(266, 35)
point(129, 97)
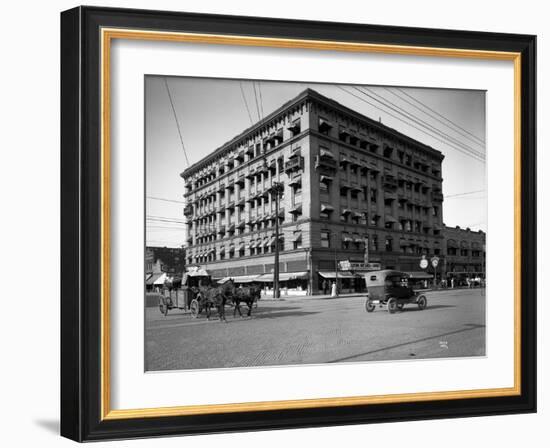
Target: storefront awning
point(283, 277)
point(326, 179)
point(326, 208)
point(161, 279)
point(240, 279)
point(420, 275)
point(326, 153)
point(153, 278)
point(330, 275)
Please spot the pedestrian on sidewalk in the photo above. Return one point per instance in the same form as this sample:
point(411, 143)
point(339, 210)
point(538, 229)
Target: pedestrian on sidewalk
point(333, 290)
point(325, 287)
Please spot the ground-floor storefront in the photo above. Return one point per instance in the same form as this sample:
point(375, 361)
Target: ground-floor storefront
point(314, 271)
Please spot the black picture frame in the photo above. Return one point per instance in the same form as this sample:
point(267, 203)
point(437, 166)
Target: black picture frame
point(81, 210)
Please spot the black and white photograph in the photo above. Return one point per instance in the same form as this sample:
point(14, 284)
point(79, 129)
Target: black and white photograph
point(297, 223)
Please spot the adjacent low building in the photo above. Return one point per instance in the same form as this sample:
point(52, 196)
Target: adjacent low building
point(464, 253)
point(354, 189)
point(162, 264)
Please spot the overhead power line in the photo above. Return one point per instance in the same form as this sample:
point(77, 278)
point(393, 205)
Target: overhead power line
point(463, 134)
point(479, 159)
point(165, 200)
point(464, 194)
point(245, 102)
point(437, 113)
point(164, 219)
point(384, 101)
point(256, 100)
point(261, 99)
point(176, 118)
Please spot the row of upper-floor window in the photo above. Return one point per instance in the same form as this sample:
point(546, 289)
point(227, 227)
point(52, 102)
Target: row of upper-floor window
point(259, 249)
point(387, 151)
point(329, 239)
point(261, 203)
point(214, 235)
point(252, 151)
point(464, 252)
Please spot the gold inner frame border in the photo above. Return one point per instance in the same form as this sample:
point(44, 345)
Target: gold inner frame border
point(107, 35)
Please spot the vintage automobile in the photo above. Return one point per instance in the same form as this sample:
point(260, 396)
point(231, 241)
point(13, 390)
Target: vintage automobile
point(390, 289)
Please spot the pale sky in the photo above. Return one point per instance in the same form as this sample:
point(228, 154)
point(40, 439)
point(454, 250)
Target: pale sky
point(212, 111)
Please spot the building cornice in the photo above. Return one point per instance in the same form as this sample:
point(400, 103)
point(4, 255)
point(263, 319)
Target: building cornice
point(312, 95)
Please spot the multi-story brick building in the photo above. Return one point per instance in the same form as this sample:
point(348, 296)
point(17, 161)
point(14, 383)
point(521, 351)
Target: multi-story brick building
point(464, 252)
point(353, 189)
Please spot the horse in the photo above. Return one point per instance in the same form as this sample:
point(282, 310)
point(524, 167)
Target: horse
point(213, 297)
point(246, 294)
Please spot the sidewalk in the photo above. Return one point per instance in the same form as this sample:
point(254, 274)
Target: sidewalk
point(313, 297)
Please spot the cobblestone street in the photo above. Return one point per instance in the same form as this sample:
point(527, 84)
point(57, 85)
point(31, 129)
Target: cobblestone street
point(311, 331)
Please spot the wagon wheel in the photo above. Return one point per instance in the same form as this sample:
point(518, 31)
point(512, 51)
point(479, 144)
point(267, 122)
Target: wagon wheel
point(195, 308)
point(369, 306)
point(392, 305)
point(163, 307)
point(422, 302)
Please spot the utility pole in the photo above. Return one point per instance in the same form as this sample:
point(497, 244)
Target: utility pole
point(335, 264)
point(276, 190)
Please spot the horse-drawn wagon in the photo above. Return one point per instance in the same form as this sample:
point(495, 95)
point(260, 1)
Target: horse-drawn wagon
point(192, 279)
point(200, 293)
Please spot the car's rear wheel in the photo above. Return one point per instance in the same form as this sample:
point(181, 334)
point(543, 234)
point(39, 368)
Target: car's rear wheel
point(370, 306)
point(422, 302)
